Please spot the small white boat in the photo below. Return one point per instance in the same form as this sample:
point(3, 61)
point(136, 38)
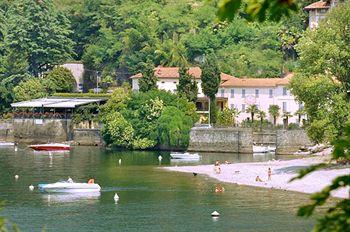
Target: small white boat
point(186, 155)
point(6, 144)
point(68, 187)
point(260, 149)
point(51, 147)
point(271, 148)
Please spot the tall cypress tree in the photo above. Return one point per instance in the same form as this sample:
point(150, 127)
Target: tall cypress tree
point(148, 81)
point(187, 86)
point(210, 83)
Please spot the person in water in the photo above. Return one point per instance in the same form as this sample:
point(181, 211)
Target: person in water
point(70, 180)
point(269, 174)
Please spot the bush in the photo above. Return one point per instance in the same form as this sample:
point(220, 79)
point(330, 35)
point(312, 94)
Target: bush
point(59, 80)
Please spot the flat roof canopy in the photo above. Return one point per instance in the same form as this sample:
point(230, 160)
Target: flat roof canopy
point(56, 102)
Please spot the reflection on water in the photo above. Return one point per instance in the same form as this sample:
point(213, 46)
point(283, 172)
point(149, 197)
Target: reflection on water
point(89, 197)
point(151, 199)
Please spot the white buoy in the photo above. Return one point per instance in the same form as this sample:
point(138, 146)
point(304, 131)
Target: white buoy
point(215, 214)
point(116, 197)
point(160, 158)
point(120, 161)
point(31, 187)
point(16, 177)
point(16, 149)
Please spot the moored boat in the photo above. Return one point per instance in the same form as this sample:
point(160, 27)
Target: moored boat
point(69, 187)
point(51, 147)
point(186, 155)
point(260, 149)
point(6, 144)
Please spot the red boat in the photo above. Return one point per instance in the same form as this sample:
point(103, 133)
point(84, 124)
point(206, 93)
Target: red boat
point(51, 147)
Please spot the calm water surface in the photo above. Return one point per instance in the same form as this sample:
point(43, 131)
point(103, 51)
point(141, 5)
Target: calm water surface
point(151, 199)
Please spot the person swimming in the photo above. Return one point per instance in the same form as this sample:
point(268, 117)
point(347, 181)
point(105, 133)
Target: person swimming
point(70, 180)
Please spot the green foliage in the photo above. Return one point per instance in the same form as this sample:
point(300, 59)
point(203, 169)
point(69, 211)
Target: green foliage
point(252, 109)
point(187, 86)
point(210, 83)
point(256, 10)
point(36, 29)
point(227, 117)
point(29, 89)
point(148, 81)
point(117, 130)
point(337, 217)
point(274, 111)
point(60, 80)
point(83, 95)
point(155, 117)
point(174, 127)
point(85, 113)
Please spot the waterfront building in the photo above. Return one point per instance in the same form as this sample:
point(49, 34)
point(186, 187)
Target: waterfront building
point(235, 92)
point(318, 10)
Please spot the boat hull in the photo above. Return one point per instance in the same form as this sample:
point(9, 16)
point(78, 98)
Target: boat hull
point(50, 147)
point(62, 187)
point(184, 156)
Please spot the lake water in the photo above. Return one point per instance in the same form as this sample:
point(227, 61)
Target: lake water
point(151, 199)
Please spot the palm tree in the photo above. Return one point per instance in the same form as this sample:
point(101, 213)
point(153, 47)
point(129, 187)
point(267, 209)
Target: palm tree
point(286, 116)
point(300, 112)
point(261, 116)
point(252, 109)
point(274, 111)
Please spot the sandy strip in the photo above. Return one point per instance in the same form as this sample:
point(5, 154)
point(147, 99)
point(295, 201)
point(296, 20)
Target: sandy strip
point(282, 172)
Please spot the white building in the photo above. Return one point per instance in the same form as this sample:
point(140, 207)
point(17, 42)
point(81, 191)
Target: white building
point(235, 92)
point(77, 69)
point(318, 10)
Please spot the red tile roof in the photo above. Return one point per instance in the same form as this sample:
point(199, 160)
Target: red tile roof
point(226, 80)
point(318, 5)
point(257, 82)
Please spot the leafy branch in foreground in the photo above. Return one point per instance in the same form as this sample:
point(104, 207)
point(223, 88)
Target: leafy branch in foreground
point(337, 217)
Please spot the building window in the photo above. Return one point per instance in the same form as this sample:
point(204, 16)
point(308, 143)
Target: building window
point(175, 82)
point(232, 106)
point(256, 93)
point(243, 93)
point(232, 93)
point(222, 92)
point(284, 91)
point(270, 93)
point(243, 107)
point(284, 106)
point(163, 82)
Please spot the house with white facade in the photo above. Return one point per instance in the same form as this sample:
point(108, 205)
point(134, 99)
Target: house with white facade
point(235, 92)
point(318, 10)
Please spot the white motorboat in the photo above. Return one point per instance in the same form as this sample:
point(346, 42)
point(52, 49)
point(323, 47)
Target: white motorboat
point(271, 148)
point(260, 149)
point(69, 187)
point(6, 144)
point(186, 155)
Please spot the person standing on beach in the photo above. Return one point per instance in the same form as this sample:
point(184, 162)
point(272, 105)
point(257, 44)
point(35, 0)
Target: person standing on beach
point(269, 174)
point(217, 168)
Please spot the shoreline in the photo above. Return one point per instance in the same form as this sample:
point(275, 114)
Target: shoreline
point(282, 172)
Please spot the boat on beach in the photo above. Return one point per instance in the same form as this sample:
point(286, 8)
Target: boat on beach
point(186, 156)
point(69, 187)
point(50, 147)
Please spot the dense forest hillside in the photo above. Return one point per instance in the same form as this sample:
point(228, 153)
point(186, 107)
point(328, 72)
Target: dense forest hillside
point(115, 38)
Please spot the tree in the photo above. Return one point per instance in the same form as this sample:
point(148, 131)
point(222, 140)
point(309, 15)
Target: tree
point(227, 117)
point(286, 116)
point(187, 86)
point(256, 10)
point(60, 80)
point(252, 109)
point(29, 89)
point(300, 112)
point(210, 83)
point(337, 217)
point(274, 111)
point(148, 81)
point(325, 51)
point(261, 116)
point(39, 31)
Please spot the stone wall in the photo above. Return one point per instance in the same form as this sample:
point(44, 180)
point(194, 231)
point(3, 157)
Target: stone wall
point(240, 140)
point(87, 137)
point(6, 131)
point(42, 130)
